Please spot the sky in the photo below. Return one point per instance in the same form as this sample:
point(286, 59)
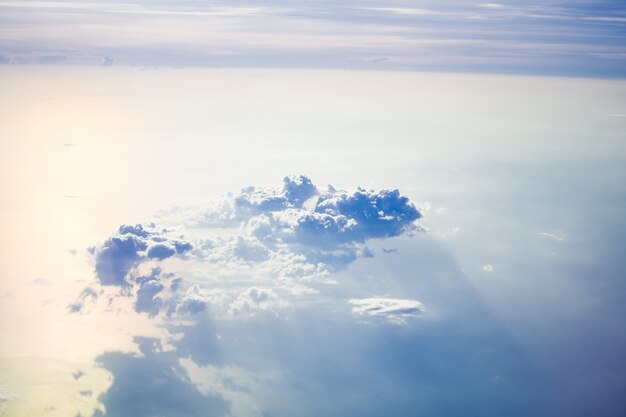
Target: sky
point(574, 38)
point(309, 209)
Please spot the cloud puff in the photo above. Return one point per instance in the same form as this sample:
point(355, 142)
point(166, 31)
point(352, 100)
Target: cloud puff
point(254, 299)
point(147, 299)
point(78, 304)
point(132, 244)
point(229, 302)
point(393, 310)
point(196, 300)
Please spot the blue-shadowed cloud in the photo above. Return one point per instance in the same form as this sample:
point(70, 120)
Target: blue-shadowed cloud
point(286, 295)
point(131, 245)
point(153, 384)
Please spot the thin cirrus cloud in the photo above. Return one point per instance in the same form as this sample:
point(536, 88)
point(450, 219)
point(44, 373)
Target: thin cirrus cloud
point(582, 38)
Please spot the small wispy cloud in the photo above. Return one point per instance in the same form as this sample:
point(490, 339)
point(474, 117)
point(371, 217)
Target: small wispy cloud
point(393, 310)
point(491, 5)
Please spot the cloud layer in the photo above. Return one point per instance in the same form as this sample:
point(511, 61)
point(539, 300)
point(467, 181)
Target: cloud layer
point(576, 38)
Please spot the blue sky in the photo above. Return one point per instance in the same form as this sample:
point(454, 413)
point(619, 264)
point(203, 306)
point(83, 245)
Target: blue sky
point(578, 38)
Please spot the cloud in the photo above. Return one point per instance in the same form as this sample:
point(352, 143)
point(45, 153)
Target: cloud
point(229, 302)
point(147, 300)
point(196, 300)
point(551, 236)
point(258, 319)
point(488, 268)
point(116, 257)
point(278, 234)
point(339, 35)
point(41, 281)
point(491, 6)
point(131, 245)
point(153, 383)
point(79, 303)
point(254, 299)
point(325, 228)
point(393, 310)
point(160, 251)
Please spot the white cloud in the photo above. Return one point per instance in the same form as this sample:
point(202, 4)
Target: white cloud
point(491, 6)
point(259, 318)
point(254, 299)
point(265, 238)
point(551, 236)
point(393, 310)
point(488, 268)
point(309, 34)
point(130, 246)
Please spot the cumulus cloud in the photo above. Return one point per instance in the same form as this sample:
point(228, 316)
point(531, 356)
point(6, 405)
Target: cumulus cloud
point(196, 300)
point(282, 234)
point(393, 310)
point(278, 303)
point(259, 258)
point(229, 301)
point(335, 218)
point(326, 228)
point(254, 299)
point(132, 244)
point(147, 299)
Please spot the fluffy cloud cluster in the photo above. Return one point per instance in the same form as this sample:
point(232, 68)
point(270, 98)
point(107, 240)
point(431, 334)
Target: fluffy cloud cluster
point(299, 213)
point(297, 227)
point(292, 232)
point(264, 258)
point(260, 314)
